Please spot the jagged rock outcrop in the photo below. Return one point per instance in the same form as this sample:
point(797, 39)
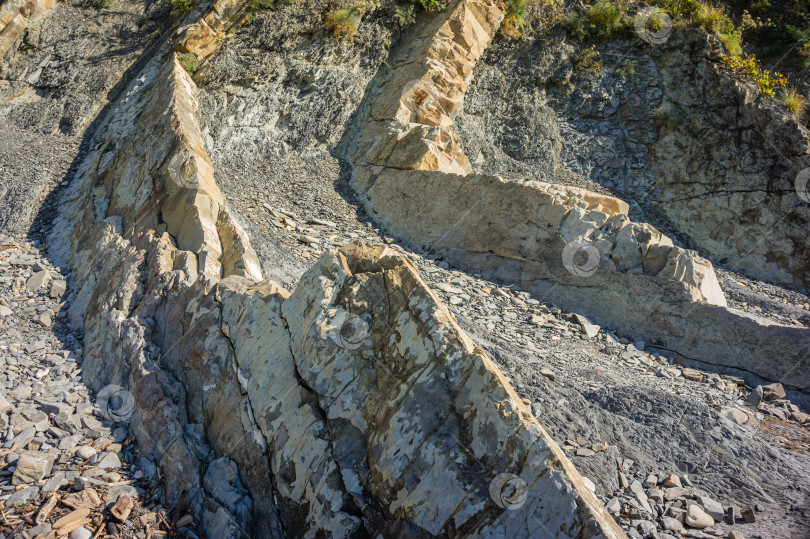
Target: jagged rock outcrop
point(339, 435)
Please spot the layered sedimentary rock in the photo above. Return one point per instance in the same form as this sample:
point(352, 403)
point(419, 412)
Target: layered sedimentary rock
point(578, 248)
point(403, 428)
point(696, 147)
point(15, 16)
point(724, 203)
point(205, 36)
point(409, 119)
point(668, 296)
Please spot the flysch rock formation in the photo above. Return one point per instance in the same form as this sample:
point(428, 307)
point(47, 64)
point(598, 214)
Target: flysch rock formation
point(576, 248)
point(355, 404)
point(404, 434)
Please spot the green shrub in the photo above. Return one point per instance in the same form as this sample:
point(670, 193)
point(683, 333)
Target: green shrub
point(189, 61)
point(749, 68)
point(627, 69)
point(575, 25)
point(183, 6)
point(343, 22)
point(732, 43)
point(264, 5)
point(713, 19)
point(431, 6)
point(795, 103)
point(606, 19)
point(404, 16)
point(514, 17)
point(603, 20)
point(680, 9)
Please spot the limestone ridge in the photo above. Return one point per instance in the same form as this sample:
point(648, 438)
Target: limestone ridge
point(15, 16)
point(404, 433)
point(417, 182)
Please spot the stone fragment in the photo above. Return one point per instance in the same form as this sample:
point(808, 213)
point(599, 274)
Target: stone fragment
point(31, 467)
point(613, 506)
point(58, 289)
point(591, 330)
point(693, 374)
point(646, 527)
point(734, 534)
point(110, 461)
point(43, 320)
point(305, 238)
point(675, 493)
point(85, 452)
point(54, 483)
point(733, 414)
point(697, 518)
point(548, 374)
point(5, 406)
point(38, 280)
point(81, 533)
point(87, 498)
point(23, 496)
point(672, 481)
point(671, 524)
point(749, 516)
point(122, 508)
point(755, 397)
point(712, 507)
point(773, 392)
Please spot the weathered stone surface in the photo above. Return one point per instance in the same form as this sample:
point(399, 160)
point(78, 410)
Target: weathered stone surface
point(470, 218)
point(15, 16)
point(32, 467)
point(681, 137)
point(206, 35)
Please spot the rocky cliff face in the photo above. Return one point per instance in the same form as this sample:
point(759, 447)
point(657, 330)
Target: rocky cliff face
point(280, 395)
point(666, 136)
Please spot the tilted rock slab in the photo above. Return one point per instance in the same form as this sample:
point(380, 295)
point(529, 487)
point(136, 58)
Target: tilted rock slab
point(15, 16)
point(577, 248)
point(410, 115)
point(203, 37)
point(409, 430)
point(572, 250)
